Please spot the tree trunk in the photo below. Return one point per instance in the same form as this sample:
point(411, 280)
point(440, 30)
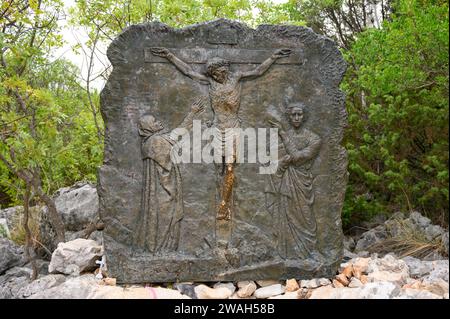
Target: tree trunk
point(26, 206)
point(55, 218)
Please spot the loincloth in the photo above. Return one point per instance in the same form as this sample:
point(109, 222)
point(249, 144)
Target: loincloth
point(226, 141)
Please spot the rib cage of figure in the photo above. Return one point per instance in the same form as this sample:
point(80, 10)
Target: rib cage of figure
point(289, 192)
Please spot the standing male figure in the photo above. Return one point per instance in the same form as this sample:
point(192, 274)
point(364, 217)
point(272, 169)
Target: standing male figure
point(157, 228)
point(225, 96)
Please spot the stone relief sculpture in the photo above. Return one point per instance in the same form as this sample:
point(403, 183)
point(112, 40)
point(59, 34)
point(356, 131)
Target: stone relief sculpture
point(158, 225)
point(293, 195)
point(204, 221)
point(225, 96)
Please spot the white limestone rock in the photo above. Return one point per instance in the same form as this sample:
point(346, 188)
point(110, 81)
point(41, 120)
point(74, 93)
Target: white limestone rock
point(75, 257)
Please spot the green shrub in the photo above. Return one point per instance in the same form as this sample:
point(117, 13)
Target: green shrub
point(397, 88)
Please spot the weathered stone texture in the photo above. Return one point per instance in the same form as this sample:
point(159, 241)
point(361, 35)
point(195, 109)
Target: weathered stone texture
point(142, 83)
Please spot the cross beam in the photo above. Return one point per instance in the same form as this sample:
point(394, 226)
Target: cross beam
point(234, 56)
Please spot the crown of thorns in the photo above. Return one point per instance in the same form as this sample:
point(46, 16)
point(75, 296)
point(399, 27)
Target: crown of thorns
point(216, 63)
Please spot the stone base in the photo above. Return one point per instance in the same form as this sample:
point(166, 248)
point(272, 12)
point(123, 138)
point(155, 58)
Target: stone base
point(143, 268)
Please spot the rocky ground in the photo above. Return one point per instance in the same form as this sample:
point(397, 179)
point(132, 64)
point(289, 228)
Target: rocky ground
point(77, 270)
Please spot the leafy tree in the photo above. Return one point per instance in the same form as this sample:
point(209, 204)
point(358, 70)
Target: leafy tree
point(397, 91)
point(341, 20)
point(47, 138)
point(26, 33)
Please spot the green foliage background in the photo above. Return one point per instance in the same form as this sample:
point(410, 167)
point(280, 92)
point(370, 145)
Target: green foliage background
point(398, 140)
point(396, 85)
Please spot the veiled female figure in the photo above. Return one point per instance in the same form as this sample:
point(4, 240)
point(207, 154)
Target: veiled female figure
point(158, 225)
point(293, 192)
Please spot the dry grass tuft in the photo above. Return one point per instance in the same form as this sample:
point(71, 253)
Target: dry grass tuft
point(403, 247)
point(407, 240)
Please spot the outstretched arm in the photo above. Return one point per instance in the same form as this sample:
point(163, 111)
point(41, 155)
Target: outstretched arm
point(196, 108)
point(263, 67)
point(181, 65)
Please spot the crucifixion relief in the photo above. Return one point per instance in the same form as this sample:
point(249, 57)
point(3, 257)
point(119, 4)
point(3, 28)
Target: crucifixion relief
point(187, 196)
point(225, 97)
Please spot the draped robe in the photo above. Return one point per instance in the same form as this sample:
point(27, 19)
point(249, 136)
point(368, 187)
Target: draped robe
point(158, 225)
point(291, 197)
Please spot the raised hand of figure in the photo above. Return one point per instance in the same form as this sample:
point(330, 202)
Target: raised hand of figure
point(198, 106)
point(281, 53)
point(277, 125)
point(162, 52)
point(286, 160)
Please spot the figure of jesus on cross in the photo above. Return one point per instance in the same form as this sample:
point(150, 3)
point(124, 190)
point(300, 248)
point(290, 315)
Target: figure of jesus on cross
point(225, 96)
